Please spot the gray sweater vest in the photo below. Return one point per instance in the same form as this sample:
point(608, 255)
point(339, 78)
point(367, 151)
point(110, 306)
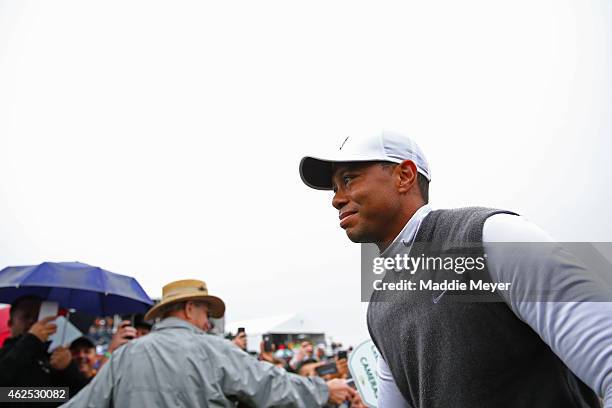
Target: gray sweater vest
point(450, 351)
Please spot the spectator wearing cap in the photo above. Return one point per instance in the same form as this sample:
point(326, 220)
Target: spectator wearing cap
point(24, 360)
point(180, 364)
point(84, 356)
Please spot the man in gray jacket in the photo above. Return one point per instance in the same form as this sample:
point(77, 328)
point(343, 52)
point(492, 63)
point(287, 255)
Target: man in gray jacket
point(179, 365)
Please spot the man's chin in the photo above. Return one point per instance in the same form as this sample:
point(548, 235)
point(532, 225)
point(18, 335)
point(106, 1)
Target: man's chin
point(358, 237)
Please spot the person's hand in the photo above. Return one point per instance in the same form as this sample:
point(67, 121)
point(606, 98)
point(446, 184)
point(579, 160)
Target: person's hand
point(342, 365)
point(266, 355)
point(125, 333)
point(43, 328)
point(60, 358)
point(356, 402)
point(339, 391)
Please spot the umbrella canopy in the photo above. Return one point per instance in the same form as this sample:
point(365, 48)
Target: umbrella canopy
point(75, 285)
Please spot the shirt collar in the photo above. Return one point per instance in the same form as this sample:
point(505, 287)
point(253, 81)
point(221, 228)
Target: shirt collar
point(408, 233)
point(174, 322)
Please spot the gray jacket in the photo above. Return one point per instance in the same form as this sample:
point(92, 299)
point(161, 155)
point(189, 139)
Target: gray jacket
point(179, 365)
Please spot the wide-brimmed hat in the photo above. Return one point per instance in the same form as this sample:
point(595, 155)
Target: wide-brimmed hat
point(184, 290)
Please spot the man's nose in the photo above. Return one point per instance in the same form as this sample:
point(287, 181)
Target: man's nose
point(339, 200)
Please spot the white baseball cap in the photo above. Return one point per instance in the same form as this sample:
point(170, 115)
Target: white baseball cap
point(316, 172)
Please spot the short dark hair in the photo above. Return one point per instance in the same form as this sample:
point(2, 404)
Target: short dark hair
point(423, 187)
point(139, 321)
point(302, 363)
point(422, 182)
point(17, 302)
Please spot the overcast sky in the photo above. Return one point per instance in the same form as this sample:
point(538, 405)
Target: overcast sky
point(162, 139)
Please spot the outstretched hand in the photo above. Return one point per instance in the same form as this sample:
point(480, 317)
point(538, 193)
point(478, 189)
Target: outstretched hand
point(60, 358)
point(339, 391)
point(43, 328)
point(124, 334)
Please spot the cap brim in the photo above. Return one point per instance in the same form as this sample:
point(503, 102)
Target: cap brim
point(317, 172)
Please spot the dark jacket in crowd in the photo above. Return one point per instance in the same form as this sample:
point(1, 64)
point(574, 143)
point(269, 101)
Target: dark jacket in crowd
point(24, 362)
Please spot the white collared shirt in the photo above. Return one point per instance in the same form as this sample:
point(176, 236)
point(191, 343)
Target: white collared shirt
point(408, 233)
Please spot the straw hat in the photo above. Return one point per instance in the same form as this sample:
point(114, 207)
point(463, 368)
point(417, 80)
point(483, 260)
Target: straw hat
point(184, 290)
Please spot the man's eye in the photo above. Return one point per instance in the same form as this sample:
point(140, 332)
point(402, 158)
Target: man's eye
point(346, 179)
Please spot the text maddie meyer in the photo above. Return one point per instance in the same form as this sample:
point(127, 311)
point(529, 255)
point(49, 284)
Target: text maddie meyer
point(438, 286)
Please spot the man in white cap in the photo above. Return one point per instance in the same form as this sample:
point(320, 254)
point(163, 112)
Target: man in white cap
point(179, 365)
point(439, 351)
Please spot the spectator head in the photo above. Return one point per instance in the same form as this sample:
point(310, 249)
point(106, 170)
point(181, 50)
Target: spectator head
point(84, 355)
point(188, 300)
point(141, 325)
point(23, 314)
point(306, 368)
point(240, 339)
point(306, 346)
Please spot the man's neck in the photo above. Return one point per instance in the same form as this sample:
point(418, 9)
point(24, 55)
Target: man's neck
point(401, 226)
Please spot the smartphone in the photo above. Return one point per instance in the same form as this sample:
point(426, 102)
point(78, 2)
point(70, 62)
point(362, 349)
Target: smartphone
point(118, 323)
point(132, 322)
point(342, 354)
point(330, 368)
point(48, 308)
point(267, 343)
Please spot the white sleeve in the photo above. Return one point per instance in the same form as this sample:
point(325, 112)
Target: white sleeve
point(578, 332)
point(389, 396)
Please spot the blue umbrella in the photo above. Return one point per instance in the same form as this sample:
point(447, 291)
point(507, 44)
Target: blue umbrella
point(75, 285)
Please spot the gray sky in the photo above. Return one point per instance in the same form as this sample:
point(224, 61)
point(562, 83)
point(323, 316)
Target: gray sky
point(162, 139)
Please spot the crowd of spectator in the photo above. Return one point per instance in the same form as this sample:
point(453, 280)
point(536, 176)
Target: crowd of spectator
point(26, 362)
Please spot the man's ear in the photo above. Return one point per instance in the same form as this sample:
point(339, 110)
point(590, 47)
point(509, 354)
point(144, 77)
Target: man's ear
point(188, 309)
point(407, 173)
